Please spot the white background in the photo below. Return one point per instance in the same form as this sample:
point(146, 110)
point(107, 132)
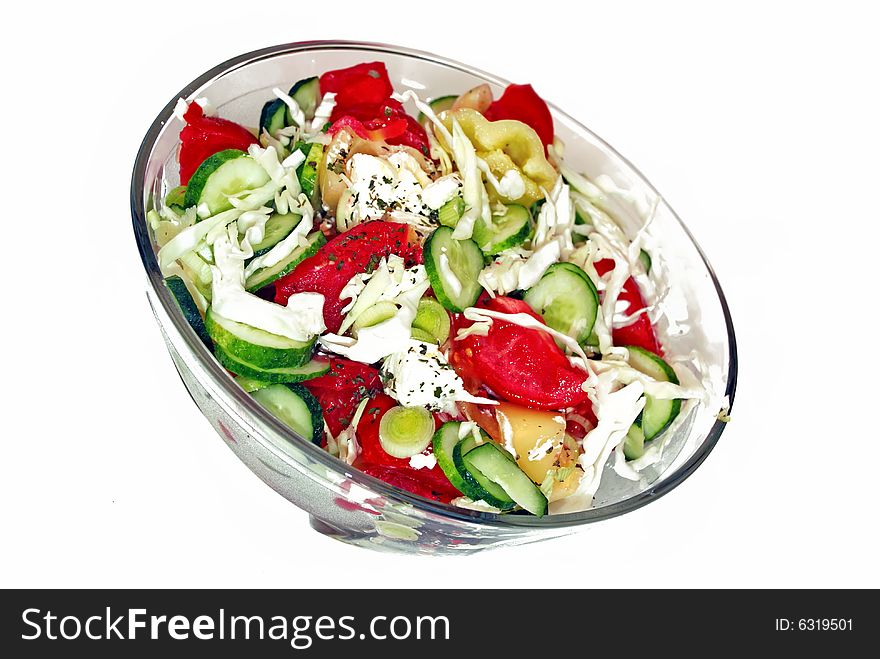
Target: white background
point(759, 124)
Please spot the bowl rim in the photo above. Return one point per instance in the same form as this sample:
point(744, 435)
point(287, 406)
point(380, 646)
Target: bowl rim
point(224, 384)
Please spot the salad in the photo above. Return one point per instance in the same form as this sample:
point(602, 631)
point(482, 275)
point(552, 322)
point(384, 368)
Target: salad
point(424, 288)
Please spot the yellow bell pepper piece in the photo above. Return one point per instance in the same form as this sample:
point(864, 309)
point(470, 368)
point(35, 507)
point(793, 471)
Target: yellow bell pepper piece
point(506, 145)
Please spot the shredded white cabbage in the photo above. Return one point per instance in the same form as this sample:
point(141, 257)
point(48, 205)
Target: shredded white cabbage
point(387, 282)
point(616, 410)
point(347, 443)
point(300, 320)
point(473, 191)
point(323, 112)
point(382, 339)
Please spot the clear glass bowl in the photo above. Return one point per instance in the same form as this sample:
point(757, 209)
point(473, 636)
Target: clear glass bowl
point(345, 503)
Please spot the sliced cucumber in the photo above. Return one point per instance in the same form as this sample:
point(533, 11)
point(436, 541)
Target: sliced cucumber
point(634, 445)
point(453, 267)
point(509, 230)
point(489, 461)
point(307, 94)
point(447, 448)
point(188, 307)
point(313, 369)
point(648, 363)
point(432, 319)
point(273, 117)
point(199, 272)
point(293, 405)
point(450, 212)
point(225, 173)
point(438, 105)
point(477, 485)
point(444, 442)
point(278, 227)
point(566, 299)
point(406, 431)
point(470, 442)
point(255, 346)
point(308, 171)
point(657, 414)
point(250, 385)
point(176, 198)
point(265, 276)
point(375, 314)
point(645, 258)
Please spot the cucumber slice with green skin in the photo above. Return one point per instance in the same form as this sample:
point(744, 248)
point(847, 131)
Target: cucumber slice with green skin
point(273, 116)
point(476, 485)
point(250, 385)
point(307, 94)
point(255, 346)
point(566, 299)
point(470, 442)
point(432, 319)
point(199, 273)
point(294, 406)
point(592, 341)
point(406, 431)
point(648, 363)
point(489, 461)
point(265, 276)
point(278, 227)
point(645, 258)
point(448, 450)
point(308, 171)
point(444, 442)
point(379, 312)
point(450, 212)
point(634, 445)
point(509, 230)
point(438, 105)
point(188, 308)
point(176, 198)
point(307, 371)
point(657, 414)
point(453, 267)
point(225, 173)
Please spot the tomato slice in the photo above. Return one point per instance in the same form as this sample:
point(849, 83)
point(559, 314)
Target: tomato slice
point(362, 83)
point(203, 136)
point(522, 103)
point(518, 364)
point(414, 136)
point(347, 375)
point(385, 129)
point(357, 250)
point(386, 121)
point(349, 122)
point(483, 416)
point(640, 333)
point(340, 391)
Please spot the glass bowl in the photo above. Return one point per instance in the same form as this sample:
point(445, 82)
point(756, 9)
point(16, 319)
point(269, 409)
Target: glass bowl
point(352, 506)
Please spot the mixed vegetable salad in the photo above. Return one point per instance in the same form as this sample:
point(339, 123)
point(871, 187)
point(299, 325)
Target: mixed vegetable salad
point(423, 288)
